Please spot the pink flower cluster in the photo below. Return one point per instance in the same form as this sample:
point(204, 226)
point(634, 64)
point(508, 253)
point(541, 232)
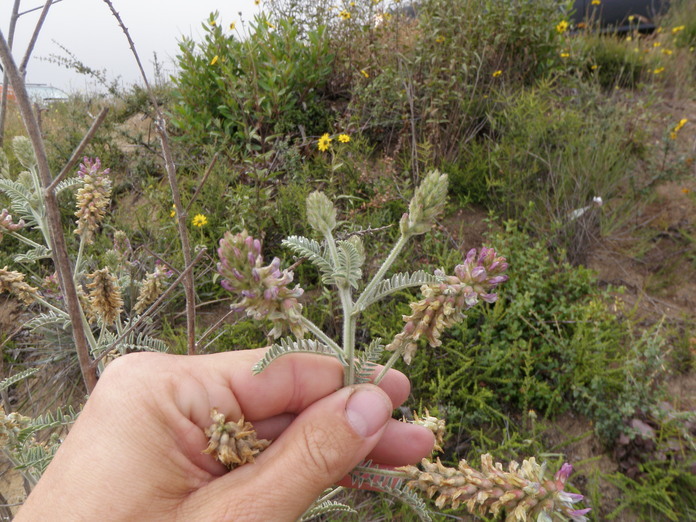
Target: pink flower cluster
point(263, 289)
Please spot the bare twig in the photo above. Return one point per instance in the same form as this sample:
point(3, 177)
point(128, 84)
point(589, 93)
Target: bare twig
point(57, 239)
point(205, 178)
point(161, 127)
point(34, 36)
point(5, 78)
point(80, 148)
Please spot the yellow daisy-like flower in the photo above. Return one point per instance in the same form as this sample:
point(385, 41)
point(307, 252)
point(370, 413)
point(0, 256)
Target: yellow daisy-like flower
point(173, 212)
point(232, 26)
point(596, 2)
point(440, 39)
point(343, 138)
point(497, 73)
point(565, 55)
point(594, 67)
point(679, 125)
point(562, 26)
point(656, 44)
point(659, 70)
point(214, 60)
point(344, 14)
point(364, 73)
point(667, 51)
point(631, 18)
point(324, 142)
point(677, 29)
point(199, 220)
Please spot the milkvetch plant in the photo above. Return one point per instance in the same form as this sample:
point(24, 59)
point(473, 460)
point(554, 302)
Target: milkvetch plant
point(265, 291)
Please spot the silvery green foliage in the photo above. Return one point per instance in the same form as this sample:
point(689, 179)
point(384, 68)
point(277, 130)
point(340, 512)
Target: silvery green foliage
point(286, 346)
point(18, 377)
point(325, 508)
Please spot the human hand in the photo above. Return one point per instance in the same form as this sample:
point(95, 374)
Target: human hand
point(135, 452)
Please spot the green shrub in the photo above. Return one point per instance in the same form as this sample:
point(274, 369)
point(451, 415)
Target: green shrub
point(614, 62)
point(240, 93)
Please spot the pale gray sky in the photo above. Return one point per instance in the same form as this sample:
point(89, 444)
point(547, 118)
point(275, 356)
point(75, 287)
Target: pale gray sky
point(91, 33)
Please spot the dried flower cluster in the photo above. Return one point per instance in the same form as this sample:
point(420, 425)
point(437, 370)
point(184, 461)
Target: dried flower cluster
point(522, 491)
point(152, 287)
point(13, 283)
point(233, 443)
point(105, 296)
point(437, 426)
point(7, 224)
point(444, 303)
point(10, 426)
point(92, 197)
point(264, 289)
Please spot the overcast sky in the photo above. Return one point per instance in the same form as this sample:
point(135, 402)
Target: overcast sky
point(88, 30)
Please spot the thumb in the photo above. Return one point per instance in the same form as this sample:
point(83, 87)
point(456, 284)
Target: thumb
point(320, 447)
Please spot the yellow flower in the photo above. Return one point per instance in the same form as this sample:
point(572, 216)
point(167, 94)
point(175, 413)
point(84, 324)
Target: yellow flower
point(232, 26)
point(173, 212)
point(685, 190)
point(657, 44)
point(214, 60)
point(629, 38)
point(659, 70)
point(199, 220)
point(213, 23)
point(565, 55)
point(667, 51)
point(343, 138)
point(596, 2)
point(594, 67)
point(257, 2)
point(675, 30)
point(364, 73)
point(440, 39)
point(324, 142)
point(497, 73)
point(562, 26)
point(631, 18)
point(344, 14)
point(679, 125)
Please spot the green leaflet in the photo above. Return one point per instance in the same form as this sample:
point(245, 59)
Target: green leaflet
point(17, 377)
point(290, 346)
point(350, 261)
point(314, 253)
point(399, 282)
point(323, 508)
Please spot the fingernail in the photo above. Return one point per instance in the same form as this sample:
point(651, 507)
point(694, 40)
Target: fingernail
point(367, 411)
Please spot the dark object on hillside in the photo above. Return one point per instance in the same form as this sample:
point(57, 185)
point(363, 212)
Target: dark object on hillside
point(613, 15)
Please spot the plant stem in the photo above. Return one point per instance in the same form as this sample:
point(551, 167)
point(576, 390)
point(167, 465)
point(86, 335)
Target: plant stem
point(377, 278)
point(57, 242)
point(394, 357)
point(319, 333)
point(392, 473)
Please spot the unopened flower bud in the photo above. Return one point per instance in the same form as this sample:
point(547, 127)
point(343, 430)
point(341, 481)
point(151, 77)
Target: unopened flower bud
point(321, 213)
point(427, 203)
point(24, 151)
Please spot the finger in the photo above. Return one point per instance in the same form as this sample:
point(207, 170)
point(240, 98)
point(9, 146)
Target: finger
point(326, 441)
point(288, 385)
point(401, 444)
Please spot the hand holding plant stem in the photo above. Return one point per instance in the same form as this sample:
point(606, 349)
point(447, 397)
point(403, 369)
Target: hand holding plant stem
point(265, 293)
